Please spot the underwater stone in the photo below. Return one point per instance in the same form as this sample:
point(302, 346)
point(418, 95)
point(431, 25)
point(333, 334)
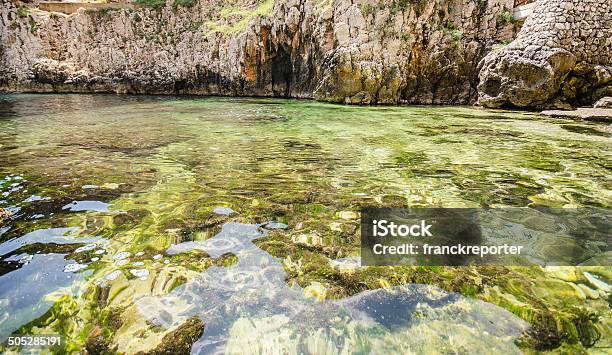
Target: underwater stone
point(589, 292)
point(349, 263)
point(74, 267)
point(564, 273)
point(597, 283)
point(348, 215)
point(35, 198)
point(121, 262)
point(316, 290)
point(275, 225)
point(140, 273)
point(113, 275)
point(87, 247)
point(122, 255)
point(223, 211)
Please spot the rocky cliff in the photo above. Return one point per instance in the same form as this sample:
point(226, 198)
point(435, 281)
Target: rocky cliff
point(562, 56)
point(353, 51)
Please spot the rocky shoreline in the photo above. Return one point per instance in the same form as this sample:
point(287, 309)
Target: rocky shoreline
point(356, 52)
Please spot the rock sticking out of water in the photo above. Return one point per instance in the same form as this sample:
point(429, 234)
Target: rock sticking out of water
point(223, 211)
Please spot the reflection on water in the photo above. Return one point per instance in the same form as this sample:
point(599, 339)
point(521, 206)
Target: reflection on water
point(29, 278)
point(248, 308)
point(79, 206)
point(153, 180)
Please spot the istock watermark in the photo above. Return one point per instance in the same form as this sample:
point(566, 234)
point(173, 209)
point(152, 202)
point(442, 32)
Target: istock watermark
point(468, 236)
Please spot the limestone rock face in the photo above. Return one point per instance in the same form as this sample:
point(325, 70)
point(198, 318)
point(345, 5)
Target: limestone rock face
point(563, 54)
point(350, 51)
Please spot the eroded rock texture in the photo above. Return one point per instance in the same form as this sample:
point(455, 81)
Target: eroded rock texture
point(353, 51)
point(561, 56)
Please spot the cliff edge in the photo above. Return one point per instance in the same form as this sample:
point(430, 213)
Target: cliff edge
point(350, 51)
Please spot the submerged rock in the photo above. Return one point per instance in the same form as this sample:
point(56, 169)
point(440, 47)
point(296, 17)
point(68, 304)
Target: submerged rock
point(121, 263)
point(85, 248)
point(113, 275)
point(181, 339)
point(348, 215)
point(121, 255)
point(140, 273)
point(597, 283)
point(316, 290)
point(275, 225)
point(350, 263)
point(74, 267)
point(223, 211)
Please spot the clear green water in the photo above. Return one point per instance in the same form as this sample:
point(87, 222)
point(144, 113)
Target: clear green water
point(139, 174)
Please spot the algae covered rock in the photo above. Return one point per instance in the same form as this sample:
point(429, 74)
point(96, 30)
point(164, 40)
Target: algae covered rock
point(181, 339)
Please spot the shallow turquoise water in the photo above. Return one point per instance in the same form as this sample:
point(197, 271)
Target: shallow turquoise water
point(137, 174)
